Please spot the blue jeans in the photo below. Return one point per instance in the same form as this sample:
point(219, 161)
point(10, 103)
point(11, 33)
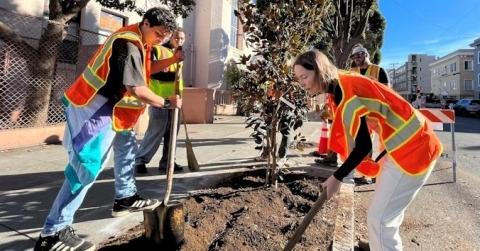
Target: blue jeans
point(66, 204)
point(159, 123)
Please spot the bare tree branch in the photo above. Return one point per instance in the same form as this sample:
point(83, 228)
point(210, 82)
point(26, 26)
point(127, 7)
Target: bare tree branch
point(9, 35)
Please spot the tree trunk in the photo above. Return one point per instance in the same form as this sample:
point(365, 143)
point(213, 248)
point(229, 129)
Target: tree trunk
point(39, 90)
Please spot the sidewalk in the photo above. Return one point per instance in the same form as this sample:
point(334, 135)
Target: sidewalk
point(30, 179)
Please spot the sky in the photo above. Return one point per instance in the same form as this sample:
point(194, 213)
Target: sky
point(433, 27)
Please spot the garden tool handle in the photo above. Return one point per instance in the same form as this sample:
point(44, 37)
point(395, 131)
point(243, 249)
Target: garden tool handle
point(173, 143)
point(306, 221)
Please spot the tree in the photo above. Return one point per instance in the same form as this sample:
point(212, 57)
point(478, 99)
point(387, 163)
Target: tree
point(348, 23)
point(277, 31)
point(43, 68)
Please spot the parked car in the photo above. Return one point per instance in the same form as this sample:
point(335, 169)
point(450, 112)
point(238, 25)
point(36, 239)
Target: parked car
point(467, 106)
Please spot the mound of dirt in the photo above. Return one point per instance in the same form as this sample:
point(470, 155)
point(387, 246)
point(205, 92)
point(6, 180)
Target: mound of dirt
point(243, 214)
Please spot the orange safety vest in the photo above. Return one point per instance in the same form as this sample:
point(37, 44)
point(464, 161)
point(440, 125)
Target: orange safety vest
point(126, 111)
point(403, 131)
point(373, 71)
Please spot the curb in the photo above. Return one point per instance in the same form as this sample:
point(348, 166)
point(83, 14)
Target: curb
point(343, 233)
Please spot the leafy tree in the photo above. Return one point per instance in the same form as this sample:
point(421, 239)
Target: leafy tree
point(59, 15)
point(348, 23)
point(277, 31)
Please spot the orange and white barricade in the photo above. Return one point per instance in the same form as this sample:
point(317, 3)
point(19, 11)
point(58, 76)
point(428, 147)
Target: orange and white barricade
point(438, 117)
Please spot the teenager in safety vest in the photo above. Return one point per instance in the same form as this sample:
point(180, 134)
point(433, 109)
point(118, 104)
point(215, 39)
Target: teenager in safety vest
point(101, 107)
point(412, 147)
point(361, 60)
point(162, 84)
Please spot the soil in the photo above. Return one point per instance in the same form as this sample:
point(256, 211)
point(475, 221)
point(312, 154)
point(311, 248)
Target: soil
point(243, 214)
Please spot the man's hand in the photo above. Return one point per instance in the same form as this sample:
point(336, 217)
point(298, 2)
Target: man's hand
point(332, 185)
point(175, 101)
point(178, 56)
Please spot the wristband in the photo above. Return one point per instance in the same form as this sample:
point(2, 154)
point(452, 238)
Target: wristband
point(167, 104)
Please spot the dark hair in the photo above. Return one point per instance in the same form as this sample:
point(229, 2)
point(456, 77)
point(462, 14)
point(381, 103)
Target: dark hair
point(160, 17)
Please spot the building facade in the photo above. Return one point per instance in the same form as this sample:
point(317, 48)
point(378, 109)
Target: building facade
point(452, 75)
point(413, 77)
point(476, 67)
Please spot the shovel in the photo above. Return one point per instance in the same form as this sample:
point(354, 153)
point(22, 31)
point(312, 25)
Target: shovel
point(165, 224)
point(306, 221)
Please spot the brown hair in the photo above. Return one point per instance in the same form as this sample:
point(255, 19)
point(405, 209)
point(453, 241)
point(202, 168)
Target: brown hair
point(314, 60)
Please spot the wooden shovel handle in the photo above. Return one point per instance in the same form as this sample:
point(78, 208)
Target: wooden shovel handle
point(306, 221)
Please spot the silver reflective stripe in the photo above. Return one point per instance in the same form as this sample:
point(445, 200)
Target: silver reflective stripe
point(403, 129)
point(403, 134)
point(92, 78)
point(349, 110)
point(392, 118)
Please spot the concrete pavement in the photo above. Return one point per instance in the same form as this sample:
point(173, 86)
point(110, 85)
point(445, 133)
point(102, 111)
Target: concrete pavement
point(31, 177)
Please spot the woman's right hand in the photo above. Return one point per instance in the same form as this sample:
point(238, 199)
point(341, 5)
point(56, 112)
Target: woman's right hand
point(332, 185)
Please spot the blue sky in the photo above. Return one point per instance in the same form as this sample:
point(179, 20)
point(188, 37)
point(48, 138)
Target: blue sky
point(434, 27)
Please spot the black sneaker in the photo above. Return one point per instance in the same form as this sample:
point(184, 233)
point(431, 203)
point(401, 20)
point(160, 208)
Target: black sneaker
point(141, 168)
point(162, 167)
point(131, 204)
point(66, 239)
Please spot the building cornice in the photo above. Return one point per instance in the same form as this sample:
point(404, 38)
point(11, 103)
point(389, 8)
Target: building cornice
point(454, 54)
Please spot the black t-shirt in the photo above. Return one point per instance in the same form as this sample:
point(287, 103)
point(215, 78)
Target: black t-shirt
point(126, 69)
point(382, 75)
point(363, 142)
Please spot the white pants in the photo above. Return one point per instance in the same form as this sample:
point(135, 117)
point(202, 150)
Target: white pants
point(394, 191)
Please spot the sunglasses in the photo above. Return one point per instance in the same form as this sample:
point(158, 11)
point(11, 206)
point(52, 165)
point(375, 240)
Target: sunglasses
point(358, 55)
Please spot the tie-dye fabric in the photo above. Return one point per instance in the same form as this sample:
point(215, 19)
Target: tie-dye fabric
point(88, 139)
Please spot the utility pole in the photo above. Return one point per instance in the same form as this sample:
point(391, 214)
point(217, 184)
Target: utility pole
point(393, 66)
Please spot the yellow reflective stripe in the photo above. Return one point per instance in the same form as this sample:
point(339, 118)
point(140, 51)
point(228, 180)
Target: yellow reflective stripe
point(403, 134)
point(374, 71)
point(100, 59)
point(348, 113)
point(92, 79)
point(130, 102)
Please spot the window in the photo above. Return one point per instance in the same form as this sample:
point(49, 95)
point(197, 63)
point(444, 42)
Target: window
point(468, 84)
point(468, 65)
point(453, 85)
point(478, 79)
point(110, 22)
point(453, 67)
point(478, 57)
point(234, 29)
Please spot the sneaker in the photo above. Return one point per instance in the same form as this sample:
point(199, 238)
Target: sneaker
point(131, 204)
point(326, 161)
point(317, 154)
point(141, 168)
point(162, 167)
point(66, 239)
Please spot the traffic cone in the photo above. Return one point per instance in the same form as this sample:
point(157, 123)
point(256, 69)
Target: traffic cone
point(323, 143)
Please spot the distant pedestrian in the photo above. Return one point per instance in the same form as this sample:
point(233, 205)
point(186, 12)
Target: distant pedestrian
point(163, 84)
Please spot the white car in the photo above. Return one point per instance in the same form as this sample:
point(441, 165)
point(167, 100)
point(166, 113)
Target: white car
point(467, 106)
